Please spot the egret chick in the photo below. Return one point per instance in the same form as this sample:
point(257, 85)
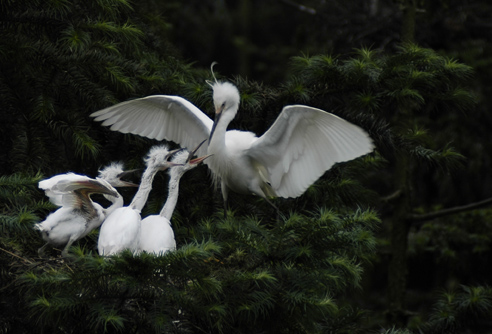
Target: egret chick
point(157, 235)
point(78, 214)
point(121, 229)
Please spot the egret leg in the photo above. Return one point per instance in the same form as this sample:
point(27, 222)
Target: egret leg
point(225, 209)
point(67, 247)
point(225, 195)
point(273, 205)
point(279, 215)
point(41, 249)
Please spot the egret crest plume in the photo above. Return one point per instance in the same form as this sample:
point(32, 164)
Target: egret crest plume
point(292, 154)
point(121, 229)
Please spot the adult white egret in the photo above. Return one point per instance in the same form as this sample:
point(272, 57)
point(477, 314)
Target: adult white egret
point(156, 234)
point(121, 229)
point(78, 214)
point(291, 155)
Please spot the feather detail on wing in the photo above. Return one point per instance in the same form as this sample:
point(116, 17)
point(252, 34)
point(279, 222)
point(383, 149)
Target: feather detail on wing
point(159, 117)
point(52, 192)
point(75, 194)
point(302, 144)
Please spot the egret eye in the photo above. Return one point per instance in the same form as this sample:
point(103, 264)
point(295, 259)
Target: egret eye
point(325, 134)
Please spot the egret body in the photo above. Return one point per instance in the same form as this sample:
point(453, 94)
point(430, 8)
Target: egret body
point(78, 214)
point(121, 229)
point(291, 155)
point(157, 235)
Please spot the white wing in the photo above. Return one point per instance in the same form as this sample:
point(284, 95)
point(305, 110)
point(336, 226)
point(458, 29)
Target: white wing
point(302, 144)
point(50, 186)
point(73, 192)
point(159, 117)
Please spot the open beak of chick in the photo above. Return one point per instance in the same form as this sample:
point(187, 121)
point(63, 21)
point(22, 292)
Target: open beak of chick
point(168, 163)
point(196, 161)
point(123, 183)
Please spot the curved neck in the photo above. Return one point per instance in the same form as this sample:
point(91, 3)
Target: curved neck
point(172, 197)
point(144, 189)
point(217, 142)
point(117, 203)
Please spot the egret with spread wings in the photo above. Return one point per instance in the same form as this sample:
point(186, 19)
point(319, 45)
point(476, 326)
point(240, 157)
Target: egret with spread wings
point(290, 156)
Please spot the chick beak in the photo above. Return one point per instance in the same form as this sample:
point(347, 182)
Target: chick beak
point(173, 152)
point(127, 183)
point(173, 164)
point(196, 161)
point(192, 153)
point(168, 164)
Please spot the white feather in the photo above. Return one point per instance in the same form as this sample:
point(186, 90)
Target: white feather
point(300, 146)
point(78, 215)
point(120, 231)
point(157, 235)
point(185, 124)
point(50, 186)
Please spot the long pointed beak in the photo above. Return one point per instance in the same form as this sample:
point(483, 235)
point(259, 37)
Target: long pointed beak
point(92, 186)
point(196, 161)
point(173, 152)
point(218, 114)
point(169, 164)
point(192, 153)
point(125, 173)
point(127, 184)
point(173, 164)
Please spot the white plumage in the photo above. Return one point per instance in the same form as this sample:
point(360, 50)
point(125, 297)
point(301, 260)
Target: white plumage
point(121, 229)
point(298, 148)
point(50, 188)
point(156, 234)
point(78, 214)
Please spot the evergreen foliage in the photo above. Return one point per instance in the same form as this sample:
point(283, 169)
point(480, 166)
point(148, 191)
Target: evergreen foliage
point(236, 275)
point(59, 61)
point(456, 310)
point(257, 271)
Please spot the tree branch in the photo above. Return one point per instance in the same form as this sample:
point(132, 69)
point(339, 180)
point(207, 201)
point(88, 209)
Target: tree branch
point(392, 196)
point(20, 257)
point(300, 7)
point(446, 212)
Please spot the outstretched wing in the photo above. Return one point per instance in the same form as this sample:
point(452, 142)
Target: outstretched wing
point(302, 144)
point(159, 117)
point(52, 192)
point(75, 194)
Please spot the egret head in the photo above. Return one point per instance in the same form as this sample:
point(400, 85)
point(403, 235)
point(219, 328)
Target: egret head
point(159, 156)
point(226, 102)
point(184, 162)
point(113, 174)
point(225, 96)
